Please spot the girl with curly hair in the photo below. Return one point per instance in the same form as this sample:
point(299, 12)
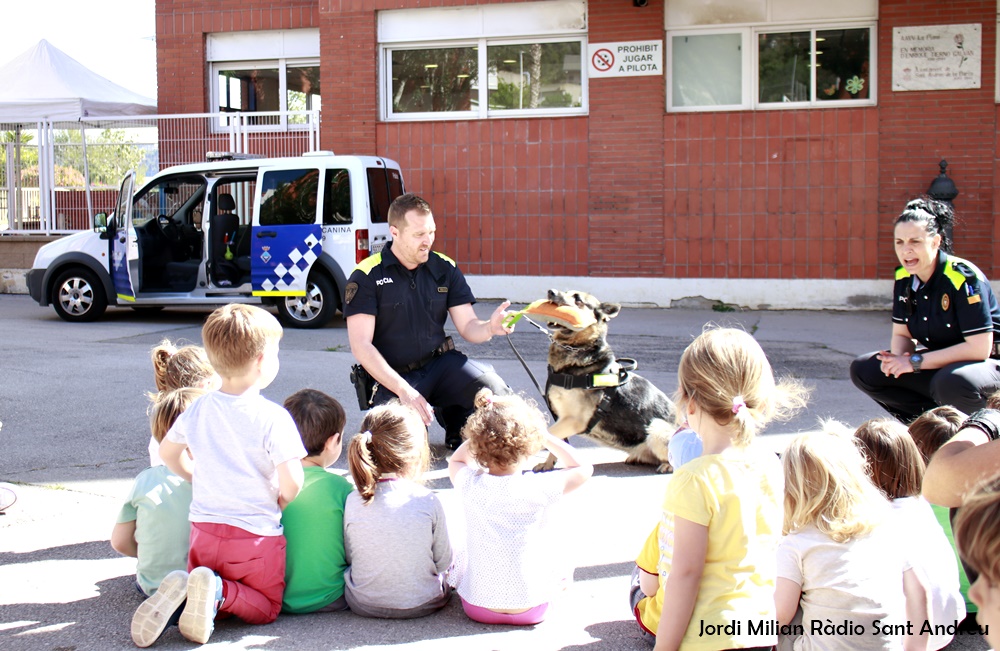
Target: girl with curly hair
point(507, 572)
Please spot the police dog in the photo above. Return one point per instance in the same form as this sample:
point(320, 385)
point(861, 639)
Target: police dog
point(635, 416)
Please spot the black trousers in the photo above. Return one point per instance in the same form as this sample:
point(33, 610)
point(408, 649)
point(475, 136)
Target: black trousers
point(963, 385)
point(450, 383)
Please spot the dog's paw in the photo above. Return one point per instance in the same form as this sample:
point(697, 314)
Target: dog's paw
point(664, 468)
point(545, 466)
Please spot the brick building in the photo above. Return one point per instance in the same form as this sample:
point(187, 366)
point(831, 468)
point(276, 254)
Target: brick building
point(762, 164)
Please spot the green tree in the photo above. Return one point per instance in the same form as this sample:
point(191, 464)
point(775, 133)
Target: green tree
point(110, 154)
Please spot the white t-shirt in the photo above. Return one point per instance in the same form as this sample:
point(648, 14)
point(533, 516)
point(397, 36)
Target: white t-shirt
point(858, 581)
point(934, 560)
point(237, 442)
point(509, 560)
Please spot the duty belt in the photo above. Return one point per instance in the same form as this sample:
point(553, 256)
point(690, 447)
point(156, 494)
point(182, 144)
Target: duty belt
point(446, 345)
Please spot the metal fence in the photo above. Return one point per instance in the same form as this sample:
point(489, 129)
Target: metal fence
point(54, 176)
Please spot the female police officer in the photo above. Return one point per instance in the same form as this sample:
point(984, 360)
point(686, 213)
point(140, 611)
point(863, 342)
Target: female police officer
point(946, 305)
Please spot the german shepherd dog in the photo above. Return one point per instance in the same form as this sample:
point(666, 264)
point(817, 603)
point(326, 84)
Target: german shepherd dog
point(634, 415)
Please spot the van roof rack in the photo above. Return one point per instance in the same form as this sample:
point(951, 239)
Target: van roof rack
point(229, 155)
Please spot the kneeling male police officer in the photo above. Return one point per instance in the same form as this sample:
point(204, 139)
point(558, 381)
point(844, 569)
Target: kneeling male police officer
point(396, 303)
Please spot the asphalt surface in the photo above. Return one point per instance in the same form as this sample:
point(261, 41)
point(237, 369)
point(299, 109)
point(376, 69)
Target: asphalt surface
point(73, 406)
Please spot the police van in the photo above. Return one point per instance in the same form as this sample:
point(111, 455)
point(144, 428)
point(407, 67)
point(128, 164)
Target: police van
point(280, 231)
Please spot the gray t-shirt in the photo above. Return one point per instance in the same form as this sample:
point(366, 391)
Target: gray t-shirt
point(397, 546)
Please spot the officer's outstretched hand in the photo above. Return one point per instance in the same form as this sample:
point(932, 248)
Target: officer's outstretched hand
point(497, 326)
point(412, 398)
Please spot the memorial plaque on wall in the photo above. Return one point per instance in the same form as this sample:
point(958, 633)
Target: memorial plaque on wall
point(937, 57)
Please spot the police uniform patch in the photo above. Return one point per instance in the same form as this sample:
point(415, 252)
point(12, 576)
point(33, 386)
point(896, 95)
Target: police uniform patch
point(975, 298)
point(442, 290)
point(945, 302)
point(349, 292)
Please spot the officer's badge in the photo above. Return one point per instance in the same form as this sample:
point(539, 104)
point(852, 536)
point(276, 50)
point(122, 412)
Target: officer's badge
point(349, 292)
point(945, 302)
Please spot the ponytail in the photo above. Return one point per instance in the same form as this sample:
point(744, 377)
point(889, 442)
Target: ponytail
point(363, 468)
point(938, 218)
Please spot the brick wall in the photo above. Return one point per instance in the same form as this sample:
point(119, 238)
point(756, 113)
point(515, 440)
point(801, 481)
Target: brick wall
point(918, 129)
point(630, 189)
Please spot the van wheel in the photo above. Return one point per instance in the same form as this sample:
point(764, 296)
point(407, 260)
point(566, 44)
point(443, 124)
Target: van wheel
point(78, 296)
point(314, 309)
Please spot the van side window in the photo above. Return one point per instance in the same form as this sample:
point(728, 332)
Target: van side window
point(383, 186)
point(337, 198)
point(289, 197)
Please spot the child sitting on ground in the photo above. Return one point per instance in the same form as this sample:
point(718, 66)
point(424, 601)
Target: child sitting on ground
point(896, 468)
point(977, 532)
point(715, 543)
point(506, 573)
point(153, 524)
point(395, 531)
point(930, 431)
point(839, 560)
point(314, 522)
point(247, 469)
point(177, 368)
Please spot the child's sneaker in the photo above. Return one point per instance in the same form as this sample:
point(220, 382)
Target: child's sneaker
point(154, 614)
point(204, 596)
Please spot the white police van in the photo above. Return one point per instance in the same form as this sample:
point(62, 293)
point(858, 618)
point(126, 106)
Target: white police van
point(280, 231)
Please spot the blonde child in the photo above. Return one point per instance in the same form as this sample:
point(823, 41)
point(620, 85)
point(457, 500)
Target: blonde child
point(508, 573)
point(176, 368)
point(896, 468)
point(721, 517)
point(929, 432)
point(395, 531)
point(977, 531)
point(314, 522)
point(248, 469)
point(840, 559)
point(153, 524)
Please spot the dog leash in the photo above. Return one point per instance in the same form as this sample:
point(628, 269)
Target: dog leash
point(521, 359)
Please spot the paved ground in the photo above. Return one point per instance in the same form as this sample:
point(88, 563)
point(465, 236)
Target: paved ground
point(72, 403)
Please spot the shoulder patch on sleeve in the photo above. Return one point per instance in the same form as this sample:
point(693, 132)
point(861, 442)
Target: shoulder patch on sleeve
point(369, 263)
point(349, 292)
point(445, 258)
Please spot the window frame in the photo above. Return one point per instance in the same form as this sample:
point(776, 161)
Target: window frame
point(751, 61)
point(482, 110)
point(282, 65)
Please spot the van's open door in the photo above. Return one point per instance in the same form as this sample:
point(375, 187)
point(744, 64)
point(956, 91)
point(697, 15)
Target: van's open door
point(286, 238)
point(124, 245)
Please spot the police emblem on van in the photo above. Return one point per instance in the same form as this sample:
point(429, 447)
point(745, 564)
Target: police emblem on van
point(265, 256)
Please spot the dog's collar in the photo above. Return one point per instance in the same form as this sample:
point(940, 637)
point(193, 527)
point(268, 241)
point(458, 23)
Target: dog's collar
point(604, 380)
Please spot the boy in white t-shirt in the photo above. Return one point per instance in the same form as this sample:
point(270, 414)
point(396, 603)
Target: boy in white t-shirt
point(247, 468)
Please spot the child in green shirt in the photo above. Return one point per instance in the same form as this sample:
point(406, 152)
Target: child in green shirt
point(314, 521)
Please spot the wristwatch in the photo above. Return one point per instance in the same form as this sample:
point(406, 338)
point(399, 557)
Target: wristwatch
point(916, 359)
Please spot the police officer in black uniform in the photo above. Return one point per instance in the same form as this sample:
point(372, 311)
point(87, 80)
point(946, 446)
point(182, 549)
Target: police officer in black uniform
point(945, 322)
point(396, 303)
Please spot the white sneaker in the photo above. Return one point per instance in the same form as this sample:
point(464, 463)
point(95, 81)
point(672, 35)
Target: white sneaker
point(153, 615)
point(203, 600)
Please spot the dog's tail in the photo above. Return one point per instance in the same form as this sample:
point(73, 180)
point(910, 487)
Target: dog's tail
point(658, 434)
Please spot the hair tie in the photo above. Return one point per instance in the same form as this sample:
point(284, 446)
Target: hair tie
point(366, 437)
point(738, 404)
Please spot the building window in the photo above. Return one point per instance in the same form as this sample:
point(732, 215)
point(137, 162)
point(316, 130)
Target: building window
point(274, 86)
point(795, 67)
point(269, 71)
point(485, 61)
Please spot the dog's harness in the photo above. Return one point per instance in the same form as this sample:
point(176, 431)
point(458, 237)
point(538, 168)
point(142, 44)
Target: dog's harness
point(605, 382)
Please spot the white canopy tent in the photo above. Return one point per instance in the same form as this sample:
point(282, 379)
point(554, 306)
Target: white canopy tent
point(44, 86)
